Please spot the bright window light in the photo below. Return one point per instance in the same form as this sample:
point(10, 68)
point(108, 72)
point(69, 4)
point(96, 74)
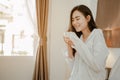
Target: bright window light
point(16, 29)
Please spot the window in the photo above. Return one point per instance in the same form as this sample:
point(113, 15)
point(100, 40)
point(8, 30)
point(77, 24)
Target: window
point(16, 29)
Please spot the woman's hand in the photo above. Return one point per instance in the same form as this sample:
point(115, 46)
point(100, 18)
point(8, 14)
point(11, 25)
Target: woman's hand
point(69, 45)
point(68, 41)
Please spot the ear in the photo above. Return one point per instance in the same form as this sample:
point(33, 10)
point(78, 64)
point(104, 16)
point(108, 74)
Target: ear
point(88, 18)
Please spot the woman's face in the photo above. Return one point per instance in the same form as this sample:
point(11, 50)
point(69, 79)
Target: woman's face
point(79, 21)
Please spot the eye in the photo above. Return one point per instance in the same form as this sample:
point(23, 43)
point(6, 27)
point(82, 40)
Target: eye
point(72, 20)
point(78, 19)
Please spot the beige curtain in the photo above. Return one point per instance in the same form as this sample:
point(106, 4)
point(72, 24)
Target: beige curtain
point(108, 17)
point(41, 67)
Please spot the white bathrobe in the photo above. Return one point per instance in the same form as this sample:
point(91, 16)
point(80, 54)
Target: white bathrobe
point(90, 58)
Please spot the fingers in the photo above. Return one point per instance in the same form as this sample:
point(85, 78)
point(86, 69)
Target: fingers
point(68, 41)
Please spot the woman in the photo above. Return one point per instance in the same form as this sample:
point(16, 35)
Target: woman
point(87, 50)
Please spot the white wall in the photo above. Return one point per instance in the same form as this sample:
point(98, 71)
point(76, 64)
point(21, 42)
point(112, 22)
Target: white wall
point(113, 56)
point(16, 67)
point(58, 23)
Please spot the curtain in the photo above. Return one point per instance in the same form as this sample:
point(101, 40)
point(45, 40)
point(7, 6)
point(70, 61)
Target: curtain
point(108, 18)
point(41, 65)
point(31, 9)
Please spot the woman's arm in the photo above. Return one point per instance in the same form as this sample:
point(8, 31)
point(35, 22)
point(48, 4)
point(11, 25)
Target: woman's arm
point(69, 43)
point(69, 52)
point(95, 60)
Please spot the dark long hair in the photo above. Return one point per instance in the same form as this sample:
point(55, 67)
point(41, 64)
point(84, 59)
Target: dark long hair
point(85, 11)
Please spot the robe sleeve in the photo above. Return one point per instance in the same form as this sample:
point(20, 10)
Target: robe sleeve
point(70, 61)
point(97, 59)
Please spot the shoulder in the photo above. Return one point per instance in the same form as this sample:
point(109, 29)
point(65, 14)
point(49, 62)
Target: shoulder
point(98, 31)
point(98, 34)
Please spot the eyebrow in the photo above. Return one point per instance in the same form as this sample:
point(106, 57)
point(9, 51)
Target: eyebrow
point(76, 17)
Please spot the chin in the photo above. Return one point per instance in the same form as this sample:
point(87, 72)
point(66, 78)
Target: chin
point(78, 30)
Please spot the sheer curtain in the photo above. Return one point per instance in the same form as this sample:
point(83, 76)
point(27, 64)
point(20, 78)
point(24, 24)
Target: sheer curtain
point(38, 13)
point(31, 8)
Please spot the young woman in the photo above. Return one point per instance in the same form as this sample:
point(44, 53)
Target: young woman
point(87, 50)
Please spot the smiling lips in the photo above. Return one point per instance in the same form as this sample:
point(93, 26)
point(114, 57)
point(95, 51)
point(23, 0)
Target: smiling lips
point(77, 27)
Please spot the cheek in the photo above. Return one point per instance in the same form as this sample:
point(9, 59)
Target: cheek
point(85, 22)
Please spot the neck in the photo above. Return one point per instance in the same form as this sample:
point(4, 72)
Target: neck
point(86, 32)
